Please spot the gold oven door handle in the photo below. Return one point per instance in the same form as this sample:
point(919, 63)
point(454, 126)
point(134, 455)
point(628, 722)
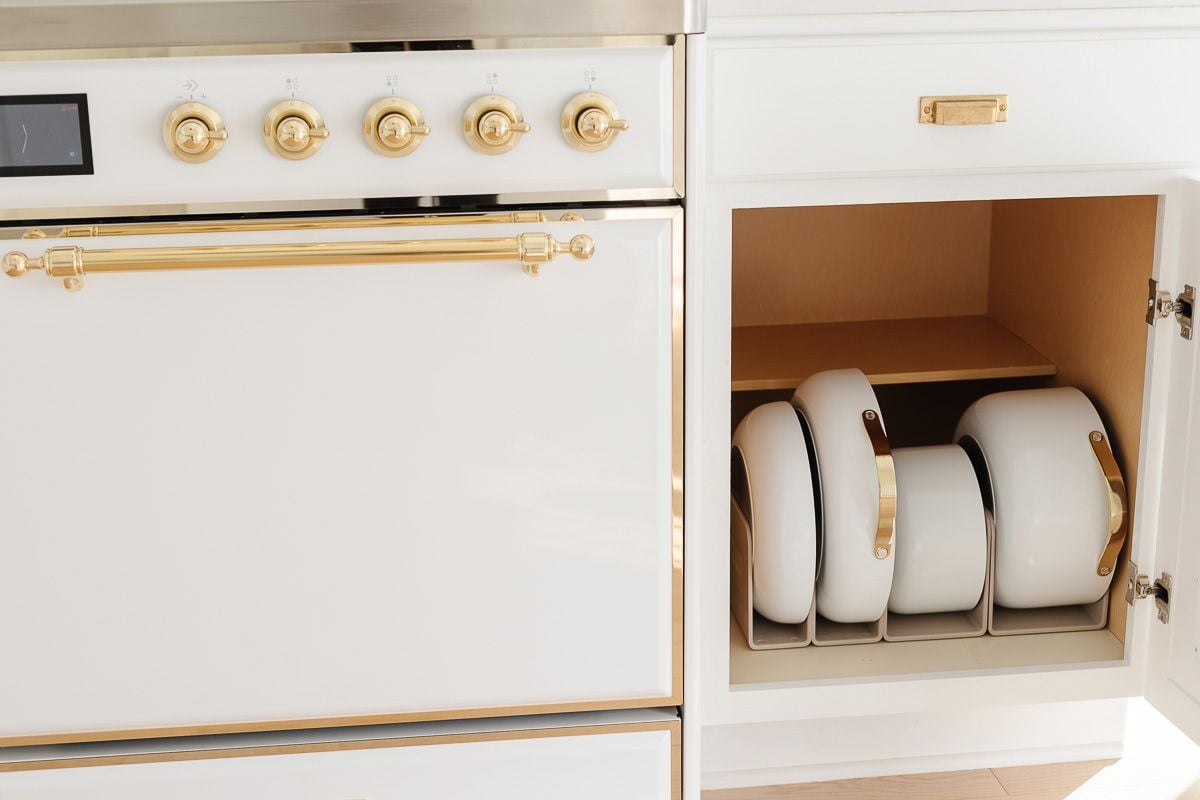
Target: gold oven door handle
point(885, 467)
point(70, 264)
point(1118, 504)
point(979, 109)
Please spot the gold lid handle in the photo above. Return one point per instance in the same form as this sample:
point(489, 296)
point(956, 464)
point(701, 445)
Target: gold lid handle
point(885, 468)
point(1118, 504)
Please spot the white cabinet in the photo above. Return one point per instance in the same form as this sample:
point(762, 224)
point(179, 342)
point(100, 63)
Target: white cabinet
point(1173, 660)
point(837, 109)
point(833, 216)
point(593, 758)
point(235, 505)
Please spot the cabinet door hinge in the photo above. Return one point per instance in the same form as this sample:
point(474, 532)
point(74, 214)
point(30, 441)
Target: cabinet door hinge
point(1140, 587)
point(1160, 305)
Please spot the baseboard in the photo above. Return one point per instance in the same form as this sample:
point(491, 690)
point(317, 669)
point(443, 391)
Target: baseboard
point(802, 751)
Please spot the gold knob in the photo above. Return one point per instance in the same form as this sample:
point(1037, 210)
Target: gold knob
point(294, 130)
point(493, 124)
point(591, 122)
point(394, 127)
point(194, 132)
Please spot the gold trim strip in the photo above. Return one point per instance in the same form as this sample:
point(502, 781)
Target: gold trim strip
point(885, 527)
point(70, 264)
point(256, 225)
point(676, 697)
point(1118, 504)
point(364, 744)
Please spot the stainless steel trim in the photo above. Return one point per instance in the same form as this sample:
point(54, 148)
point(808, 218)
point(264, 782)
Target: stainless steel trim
point(302, 48)
point(156, 25)
point(15, 221)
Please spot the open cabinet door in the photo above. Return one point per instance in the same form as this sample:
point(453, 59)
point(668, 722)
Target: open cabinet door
point(1173, 665)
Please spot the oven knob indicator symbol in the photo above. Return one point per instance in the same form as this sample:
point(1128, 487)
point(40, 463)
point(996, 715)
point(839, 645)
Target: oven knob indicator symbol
point(194, 132)
point(591, 122)
point(493, 124)
point(294, 130)
point(394, 127)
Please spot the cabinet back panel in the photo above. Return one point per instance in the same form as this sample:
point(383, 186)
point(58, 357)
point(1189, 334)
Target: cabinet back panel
point(848, 263)
point(1069, 277)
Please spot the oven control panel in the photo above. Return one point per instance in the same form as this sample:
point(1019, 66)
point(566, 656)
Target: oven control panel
point(587, 122)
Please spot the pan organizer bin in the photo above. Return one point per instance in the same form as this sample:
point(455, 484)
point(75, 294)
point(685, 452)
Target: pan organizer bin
point(1082, 511)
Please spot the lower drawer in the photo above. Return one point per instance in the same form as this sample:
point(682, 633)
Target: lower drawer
point(631, 756)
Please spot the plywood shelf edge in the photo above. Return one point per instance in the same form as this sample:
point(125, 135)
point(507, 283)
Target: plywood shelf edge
point(924, 350)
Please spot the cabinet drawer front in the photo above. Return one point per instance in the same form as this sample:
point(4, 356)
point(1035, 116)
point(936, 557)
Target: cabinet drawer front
point(796, 110)
point(632, 762)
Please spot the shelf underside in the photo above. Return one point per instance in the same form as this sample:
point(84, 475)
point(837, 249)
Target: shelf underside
point(922, 350)
point(760, 669)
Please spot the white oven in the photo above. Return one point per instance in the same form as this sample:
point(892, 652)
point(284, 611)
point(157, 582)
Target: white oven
point(284, 458)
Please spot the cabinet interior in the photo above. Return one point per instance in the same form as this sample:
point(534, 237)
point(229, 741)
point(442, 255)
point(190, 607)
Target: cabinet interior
point(940, 304)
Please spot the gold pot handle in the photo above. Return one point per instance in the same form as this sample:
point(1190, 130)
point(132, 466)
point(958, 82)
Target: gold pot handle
point(885, 467)
point(1118, 504)
point(70, 264)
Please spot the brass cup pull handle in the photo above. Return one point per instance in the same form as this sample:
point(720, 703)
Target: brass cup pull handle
point(1118, 504)
point(964, 110)
point(70, 264)
point(885, 468)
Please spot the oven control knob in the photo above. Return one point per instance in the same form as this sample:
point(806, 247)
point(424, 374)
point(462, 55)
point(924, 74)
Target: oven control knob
point(194, 132)
point(493, 124)
point(293, 129)
point(394, 127)
point(591, 122)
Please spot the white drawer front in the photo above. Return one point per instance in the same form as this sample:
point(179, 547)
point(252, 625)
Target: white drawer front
point(341, 494)
point(798, 110)
point(632, 765)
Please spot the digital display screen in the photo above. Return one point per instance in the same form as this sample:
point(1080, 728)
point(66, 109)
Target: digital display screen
point(44, 134)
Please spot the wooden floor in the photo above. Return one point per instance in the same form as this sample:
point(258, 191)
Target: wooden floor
point(1087, 780)
point(1159, 763)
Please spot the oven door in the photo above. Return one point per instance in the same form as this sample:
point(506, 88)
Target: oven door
point(378, 474)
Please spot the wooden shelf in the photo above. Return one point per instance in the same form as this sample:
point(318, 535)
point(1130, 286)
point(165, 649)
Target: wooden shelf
point(887, 351)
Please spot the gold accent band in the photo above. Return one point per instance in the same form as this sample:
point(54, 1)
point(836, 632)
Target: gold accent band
point(251, 226)
point(885, 527)
point(71, 263)
point(1118, 504)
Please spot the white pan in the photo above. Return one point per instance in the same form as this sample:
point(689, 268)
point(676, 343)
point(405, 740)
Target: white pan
point(941, 532)
point(1056, 492)
point(776, 494)
point(858, 494)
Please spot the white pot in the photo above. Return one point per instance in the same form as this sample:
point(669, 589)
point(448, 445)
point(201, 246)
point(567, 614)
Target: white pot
point(854, 584)
point(941, 532)
point(779, 501)
point(1050, 497)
